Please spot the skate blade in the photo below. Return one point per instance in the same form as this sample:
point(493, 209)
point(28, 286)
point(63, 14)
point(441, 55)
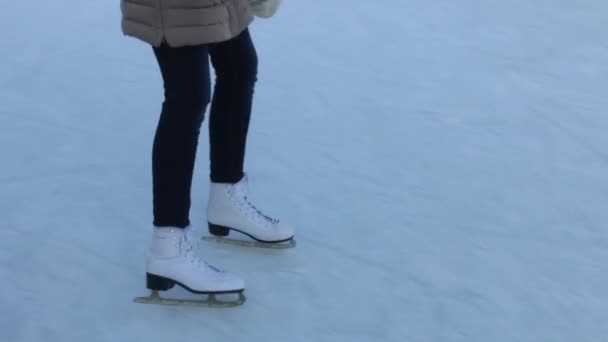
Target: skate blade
point(211, 301)
point(252, 243)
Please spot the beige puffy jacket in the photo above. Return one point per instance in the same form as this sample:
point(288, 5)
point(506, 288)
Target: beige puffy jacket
point(184, 22)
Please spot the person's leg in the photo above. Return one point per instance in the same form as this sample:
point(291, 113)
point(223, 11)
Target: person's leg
point(235, 63)
point(185, 72)
point(173, 259)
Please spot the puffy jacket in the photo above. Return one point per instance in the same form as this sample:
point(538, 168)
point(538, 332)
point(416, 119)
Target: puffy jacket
point(184, 22)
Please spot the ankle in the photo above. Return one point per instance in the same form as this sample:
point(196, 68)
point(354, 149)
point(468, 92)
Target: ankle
point(227, 178)
point(166, 241)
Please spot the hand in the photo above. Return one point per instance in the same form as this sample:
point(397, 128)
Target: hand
point(264, 8)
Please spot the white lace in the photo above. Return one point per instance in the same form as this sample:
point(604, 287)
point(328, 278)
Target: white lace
point(238, 193)
point(191, 253)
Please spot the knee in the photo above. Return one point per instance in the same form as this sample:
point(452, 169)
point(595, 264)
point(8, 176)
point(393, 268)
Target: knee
point(188, 105)
point(191, 97)
point(248, 70)
point(244, 72)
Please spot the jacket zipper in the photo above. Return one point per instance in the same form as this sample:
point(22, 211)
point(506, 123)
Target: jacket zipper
point(162, 21)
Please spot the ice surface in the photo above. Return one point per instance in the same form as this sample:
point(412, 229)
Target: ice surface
point(445, 163)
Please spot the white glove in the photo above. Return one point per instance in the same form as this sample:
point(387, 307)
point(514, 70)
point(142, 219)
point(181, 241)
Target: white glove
point(264, 8)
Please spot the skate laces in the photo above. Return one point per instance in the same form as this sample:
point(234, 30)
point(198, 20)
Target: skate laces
point(191, 254)
point(239, 193)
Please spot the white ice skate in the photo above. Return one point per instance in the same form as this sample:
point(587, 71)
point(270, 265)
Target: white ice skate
point(264, 8)
point(230, 210)
point(174, 260)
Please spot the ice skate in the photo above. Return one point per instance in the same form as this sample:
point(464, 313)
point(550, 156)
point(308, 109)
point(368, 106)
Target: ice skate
point(173, 260)
point(230, 210)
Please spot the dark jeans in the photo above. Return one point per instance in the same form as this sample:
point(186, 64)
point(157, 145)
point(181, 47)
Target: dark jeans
point(187, 84)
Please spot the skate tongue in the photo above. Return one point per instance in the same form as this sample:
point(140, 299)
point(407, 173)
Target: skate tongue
point(187, 247)
point(242, 186)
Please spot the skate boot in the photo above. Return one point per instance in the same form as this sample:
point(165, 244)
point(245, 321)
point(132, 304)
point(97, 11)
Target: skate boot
point(229, 209)
point(174, 260)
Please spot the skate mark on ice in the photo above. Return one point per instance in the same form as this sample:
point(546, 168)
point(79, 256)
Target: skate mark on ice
point(341, 252)
point(576, 138)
